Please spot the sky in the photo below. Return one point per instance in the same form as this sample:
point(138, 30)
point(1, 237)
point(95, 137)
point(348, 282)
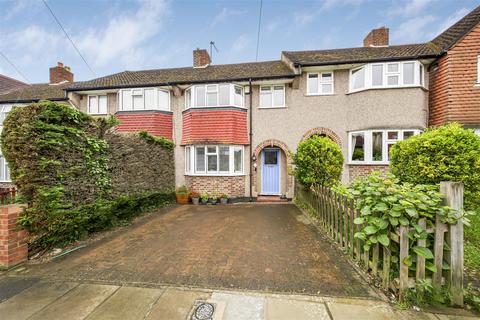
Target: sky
point(118, 35)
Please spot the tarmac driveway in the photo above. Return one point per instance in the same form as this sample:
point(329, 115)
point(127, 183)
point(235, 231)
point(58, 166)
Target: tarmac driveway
point(268, 247)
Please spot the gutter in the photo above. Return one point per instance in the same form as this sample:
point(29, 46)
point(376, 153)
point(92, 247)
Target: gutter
point(339, 62)
point(33, 100)
point(250, 134)
point(289, 76)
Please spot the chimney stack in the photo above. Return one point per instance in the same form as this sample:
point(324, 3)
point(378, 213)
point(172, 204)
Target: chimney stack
point(60, 73)
point(201, 58)
point(377, 38)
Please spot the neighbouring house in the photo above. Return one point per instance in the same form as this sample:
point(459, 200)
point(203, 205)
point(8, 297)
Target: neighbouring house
point(455, 75)
point(8, 84)
point(235, 126)
point(60, 78)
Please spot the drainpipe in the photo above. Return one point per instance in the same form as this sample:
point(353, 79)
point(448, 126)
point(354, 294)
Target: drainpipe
point(250, 138)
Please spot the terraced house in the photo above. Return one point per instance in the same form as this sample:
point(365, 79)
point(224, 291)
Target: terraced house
point(235, 126)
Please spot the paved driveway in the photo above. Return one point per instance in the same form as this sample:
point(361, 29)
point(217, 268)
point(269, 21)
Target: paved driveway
point(267, 247)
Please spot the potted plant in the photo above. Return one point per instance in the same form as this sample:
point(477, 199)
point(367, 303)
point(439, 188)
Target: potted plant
point(224, 199)
point(204, 197)
point(182, 195)
point(195, 196)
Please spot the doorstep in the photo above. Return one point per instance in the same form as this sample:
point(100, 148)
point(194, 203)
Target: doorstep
point(275, 199)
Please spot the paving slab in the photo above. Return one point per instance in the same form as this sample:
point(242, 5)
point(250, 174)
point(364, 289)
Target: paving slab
point(241, 306)
point(127, 303)
point(377, 311)
point(176, 304)
point(10, 286)
point(33, 299)
point(287, 309)
point(77, 304)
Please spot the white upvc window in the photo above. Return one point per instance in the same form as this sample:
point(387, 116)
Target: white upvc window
point(402, 74)
point(478, 69)
point(373, 146)
point(98, 104)
point(214, 95)
point(4, 110)
point(272, 96)
point(214, 160)
point(144, 99)
point(320, 83)
point(4, 170)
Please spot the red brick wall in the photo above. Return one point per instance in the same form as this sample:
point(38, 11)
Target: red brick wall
point(453, 94)
point(157, 123)
point(60, 73)
point(377, 37)
point(215, 126)
point(233, 186)
point(13, 242)
point(362, 170)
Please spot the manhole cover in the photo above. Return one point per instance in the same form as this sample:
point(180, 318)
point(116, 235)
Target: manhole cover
point(203, 311)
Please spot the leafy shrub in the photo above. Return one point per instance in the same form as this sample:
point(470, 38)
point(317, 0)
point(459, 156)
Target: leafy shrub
point(318, 160)
point(447, 153)
point(160, 140)
point(385, 204)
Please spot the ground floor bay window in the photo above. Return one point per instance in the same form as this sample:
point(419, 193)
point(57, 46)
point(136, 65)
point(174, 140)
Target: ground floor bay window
point(211, 160)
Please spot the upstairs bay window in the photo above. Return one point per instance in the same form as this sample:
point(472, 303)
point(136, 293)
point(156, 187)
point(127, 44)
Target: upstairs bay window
point(214, 95)
point(214, 160)
point(272, 96)
point(320, 83)
point(97, 104)
point(387, 75)
point(373, 146)
point(144, 99)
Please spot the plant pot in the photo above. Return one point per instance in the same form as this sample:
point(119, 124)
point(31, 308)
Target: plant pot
point(195, 200)
point(223, 200)
point(182, 198)
point(213, 201)
point(204, 201)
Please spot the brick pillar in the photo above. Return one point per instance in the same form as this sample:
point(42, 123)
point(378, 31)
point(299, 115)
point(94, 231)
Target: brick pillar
point(13, 241)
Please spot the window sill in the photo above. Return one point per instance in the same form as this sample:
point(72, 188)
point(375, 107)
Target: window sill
point(382, 163)
point(387, 88)
point(215, 174)
point(477, 85)
point(282, 107)
point(319, 94)
point(98, 114)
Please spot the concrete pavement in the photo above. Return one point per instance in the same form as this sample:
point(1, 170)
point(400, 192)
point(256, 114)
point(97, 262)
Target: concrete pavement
point(49, 300)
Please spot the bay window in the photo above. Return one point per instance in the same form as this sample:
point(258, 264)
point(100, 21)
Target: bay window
point(214, 95)
point(387, 75)
point(320, 83)
point(4, 110)
point(214, 160)
point(144, 99)
point(272, 96)
point(97, 104)
point(373, 146)
point(4, 170)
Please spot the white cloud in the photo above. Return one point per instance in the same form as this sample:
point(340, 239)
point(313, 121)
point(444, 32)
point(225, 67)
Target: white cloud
point(240, 43)
point(413, 30)
point(18, 6)
point(303, 18)
point(124, 35)
point(330, 4)
point(223, 15)
point(306, 17)
point(410, 8)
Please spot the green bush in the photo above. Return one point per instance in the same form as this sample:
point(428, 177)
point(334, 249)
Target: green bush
point(318, 160)
point(447, 153)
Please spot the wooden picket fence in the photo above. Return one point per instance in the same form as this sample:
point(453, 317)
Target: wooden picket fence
point(8, 195)
point(336, 213)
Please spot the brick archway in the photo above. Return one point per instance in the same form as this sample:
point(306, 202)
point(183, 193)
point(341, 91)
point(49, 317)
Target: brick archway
point(322, 131)
point(288, 155)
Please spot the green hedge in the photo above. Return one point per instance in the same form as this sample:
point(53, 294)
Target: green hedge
point(318, 160)
point(66, 171)
point(447, 153)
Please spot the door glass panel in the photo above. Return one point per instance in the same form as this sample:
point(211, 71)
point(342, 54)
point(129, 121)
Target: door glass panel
point(271, 157)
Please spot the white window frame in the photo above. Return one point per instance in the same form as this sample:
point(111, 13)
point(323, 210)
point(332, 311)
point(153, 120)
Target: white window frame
point(5, 171)
point(368, 143)
point(156, 105)
point(231, 98)
point(4, 110)
point(478, 69)
point(191, 169)
point(97, 97)
point(320, 82)
point(272, 99)
point(418, 79)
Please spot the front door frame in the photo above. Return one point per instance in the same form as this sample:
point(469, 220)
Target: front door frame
point(279, 159)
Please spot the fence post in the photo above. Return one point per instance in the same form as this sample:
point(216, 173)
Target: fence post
point(403, 267)
point(453, 193)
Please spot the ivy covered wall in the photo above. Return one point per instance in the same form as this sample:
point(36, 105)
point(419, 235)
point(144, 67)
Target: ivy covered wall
point(77, 176)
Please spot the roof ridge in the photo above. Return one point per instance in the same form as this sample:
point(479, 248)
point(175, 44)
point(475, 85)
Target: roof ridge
point(351, 48)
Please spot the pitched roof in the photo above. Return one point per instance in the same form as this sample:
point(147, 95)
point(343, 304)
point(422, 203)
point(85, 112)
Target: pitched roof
point(452, 35)
point(36, 92)
point(362, 54)
point(8, 84)
point(212, 73)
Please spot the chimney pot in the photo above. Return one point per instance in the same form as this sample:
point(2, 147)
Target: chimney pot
point(60, 73)
point(377, 38)
point(201, 58)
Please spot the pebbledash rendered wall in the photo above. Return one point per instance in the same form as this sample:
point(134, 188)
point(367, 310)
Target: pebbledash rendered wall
point(335, 114)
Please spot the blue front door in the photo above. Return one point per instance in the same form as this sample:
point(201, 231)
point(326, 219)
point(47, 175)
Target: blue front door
point(271, 171)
